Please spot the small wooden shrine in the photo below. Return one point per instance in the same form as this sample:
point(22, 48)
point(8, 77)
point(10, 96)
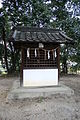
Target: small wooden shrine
point(40, 54)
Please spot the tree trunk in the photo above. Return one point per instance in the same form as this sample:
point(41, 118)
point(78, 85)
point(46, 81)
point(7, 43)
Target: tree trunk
point(12, 58)
point(65, 58)
point(5, 49)
point(65, 66)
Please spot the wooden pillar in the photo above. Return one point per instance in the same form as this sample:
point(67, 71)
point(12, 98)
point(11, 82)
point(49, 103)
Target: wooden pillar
point(22, 66)
point(58, 60)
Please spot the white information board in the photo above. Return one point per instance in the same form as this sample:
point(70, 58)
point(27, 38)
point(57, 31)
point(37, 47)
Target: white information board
point(40, 77)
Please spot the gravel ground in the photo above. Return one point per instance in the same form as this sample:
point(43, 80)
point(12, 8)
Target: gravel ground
point(58, 107)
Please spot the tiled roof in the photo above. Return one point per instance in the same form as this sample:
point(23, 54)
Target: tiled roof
point(25, 34)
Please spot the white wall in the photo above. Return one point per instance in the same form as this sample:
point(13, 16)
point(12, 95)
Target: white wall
point(40, 77)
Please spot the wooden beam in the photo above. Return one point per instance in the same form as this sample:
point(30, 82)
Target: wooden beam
point(58, 60)
point(22, 66)
point(24, 44)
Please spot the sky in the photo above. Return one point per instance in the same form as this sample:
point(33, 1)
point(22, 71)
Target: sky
point(0, 3)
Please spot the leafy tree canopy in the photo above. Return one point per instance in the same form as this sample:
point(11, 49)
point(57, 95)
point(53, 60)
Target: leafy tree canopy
point(62, 14)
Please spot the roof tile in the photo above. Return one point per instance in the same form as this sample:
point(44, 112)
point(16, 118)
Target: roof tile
point(39, 35)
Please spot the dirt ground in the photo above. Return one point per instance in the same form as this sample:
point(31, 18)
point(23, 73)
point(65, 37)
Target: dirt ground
point(58, 107)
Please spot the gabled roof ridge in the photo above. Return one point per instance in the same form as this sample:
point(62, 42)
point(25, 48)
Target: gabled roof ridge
point(36, 29)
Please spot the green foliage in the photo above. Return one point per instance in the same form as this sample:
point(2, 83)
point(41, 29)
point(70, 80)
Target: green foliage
point(30, 13)
point(62, 14)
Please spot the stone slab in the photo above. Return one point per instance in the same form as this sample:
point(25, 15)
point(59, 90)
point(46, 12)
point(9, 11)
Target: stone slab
point(18, 92)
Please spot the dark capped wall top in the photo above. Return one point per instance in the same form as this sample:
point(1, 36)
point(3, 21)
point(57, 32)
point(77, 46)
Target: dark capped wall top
point(25, 34)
